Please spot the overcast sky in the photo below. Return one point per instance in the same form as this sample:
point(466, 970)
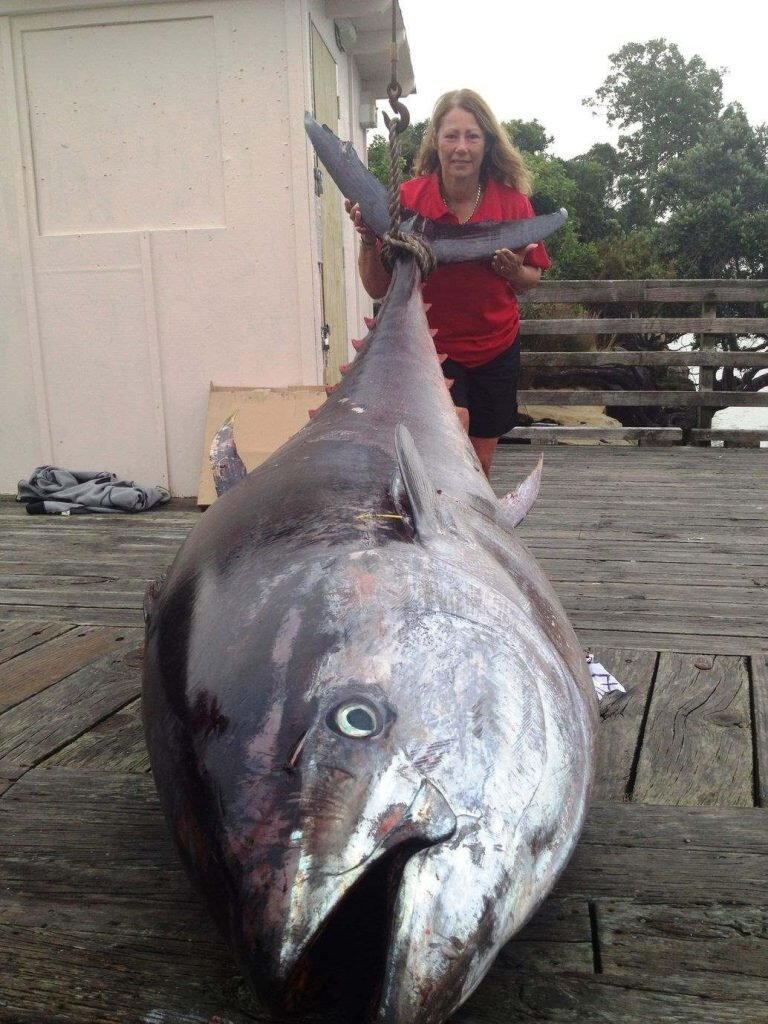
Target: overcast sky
point(542, 63)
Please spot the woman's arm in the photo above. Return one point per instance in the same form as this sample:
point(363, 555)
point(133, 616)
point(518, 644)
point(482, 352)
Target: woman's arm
point(374, 276)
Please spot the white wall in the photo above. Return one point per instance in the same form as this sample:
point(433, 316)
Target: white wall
point(157, 226)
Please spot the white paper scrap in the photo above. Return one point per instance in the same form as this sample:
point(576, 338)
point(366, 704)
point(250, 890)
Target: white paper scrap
point(602, 678)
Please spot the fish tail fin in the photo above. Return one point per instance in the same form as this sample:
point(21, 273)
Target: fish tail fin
point(467, 242)
point(226, 465)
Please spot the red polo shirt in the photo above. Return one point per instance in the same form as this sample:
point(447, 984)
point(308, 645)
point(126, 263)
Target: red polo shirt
point(474, 310)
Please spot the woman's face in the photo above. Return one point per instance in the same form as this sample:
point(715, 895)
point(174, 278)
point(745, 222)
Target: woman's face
point(460, 146)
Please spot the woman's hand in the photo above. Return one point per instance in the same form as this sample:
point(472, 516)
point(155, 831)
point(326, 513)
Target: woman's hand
point(367, 237)
point(372, 273)
point(510, 264)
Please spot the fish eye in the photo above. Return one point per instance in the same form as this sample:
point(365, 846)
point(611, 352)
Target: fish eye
point(356, 718)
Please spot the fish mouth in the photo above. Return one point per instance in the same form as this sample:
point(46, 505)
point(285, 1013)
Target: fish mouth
point(338, 976)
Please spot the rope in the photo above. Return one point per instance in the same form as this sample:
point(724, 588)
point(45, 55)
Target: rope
point(394, 241)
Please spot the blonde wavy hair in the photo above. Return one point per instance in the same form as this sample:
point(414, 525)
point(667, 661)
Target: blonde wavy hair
point(502, 160)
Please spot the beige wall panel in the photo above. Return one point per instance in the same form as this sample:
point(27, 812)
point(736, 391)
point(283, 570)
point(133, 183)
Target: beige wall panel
point(104, 101)
point(97, 364)
point(158, 218)
point(228, 301)
point(21, 446)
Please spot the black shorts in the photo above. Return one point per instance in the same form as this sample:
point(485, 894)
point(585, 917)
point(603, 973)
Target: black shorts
point(488, 391)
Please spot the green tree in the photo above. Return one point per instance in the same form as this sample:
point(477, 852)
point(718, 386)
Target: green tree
point(379, 156)
point(663, 105)
point(714, 199)
point(690, 178)
point(528, 136)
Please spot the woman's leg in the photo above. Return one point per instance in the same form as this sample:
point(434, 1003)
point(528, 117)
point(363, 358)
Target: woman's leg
point(485, 449)
point(492, 390)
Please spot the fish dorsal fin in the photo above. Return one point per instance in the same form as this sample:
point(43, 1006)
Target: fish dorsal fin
point(515, 506)
point(226, 465)
point(423, 496)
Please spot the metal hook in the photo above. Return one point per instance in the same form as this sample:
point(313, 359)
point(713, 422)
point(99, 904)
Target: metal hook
point(394, 92)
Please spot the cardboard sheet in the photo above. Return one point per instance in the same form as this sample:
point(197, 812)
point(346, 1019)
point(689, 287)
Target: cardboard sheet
point(265, 419)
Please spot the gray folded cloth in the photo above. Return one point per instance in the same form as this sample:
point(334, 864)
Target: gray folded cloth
point(54, 490)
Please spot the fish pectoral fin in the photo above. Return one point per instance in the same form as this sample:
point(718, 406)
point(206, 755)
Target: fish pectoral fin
point(515, 506)
point(226, 465)
point(430, 518)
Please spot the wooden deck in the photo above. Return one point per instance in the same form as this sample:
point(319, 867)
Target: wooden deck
point(660, 558)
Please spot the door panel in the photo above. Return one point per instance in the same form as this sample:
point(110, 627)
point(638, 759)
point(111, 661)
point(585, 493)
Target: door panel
point(331, 248)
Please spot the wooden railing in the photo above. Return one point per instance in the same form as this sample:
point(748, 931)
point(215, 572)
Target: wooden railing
point(708, 327)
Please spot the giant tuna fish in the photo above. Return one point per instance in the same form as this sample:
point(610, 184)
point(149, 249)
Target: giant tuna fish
point(370, 722)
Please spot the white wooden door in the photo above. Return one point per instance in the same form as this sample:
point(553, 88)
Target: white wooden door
point(326, 111)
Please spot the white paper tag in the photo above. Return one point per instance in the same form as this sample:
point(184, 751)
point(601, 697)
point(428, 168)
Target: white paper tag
point(602, 678)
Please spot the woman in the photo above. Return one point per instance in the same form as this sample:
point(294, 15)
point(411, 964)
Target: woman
point(468, 170)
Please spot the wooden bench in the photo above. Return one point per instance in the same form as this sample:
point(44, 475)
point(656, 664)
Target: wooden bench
point(709, 328)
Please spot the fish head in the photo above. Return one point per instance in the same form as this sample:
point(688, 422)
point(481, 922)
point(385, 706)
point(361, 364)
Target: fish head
point(389, 781)
point(484, 713)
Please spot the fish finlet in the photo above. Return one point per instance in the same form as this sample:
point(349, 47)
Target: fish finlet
point(433, 331)
point(312, 413)
point(358, 344)
point(370, 322)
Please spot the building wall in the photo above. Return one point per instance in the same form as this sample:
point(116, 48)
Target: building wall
point(157, 224)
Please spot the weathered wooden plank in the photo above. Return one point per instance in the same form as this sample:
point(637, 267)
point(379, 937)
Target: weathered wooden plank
point(665, 399)
point(558, 938)
point(621, 722)
point(726, 846)
point(44, 723)
point(669, 290)
point(9, 773)
point(36, 669)
point(108, 962)
point(19, 637)
point(746, 437)
point(124, 618)
point(63, 563)
point(659, 593)
point(115, 744)
point(647, 573)
point(759, 679)
point(101, 583)
point(668, 435)
point(702, 941)
point(612, 549)
point(600, 617)
point(615, 357)
point(683, 829)
point(682, 642)
point(646, 325)
point(607, 999)
point(89, 872)
point(697, 747)
point(50, 597)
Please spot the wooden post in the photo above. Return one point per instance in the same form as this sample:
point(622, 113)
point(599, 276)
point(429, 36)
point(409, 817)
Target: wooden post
point(706, 373)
